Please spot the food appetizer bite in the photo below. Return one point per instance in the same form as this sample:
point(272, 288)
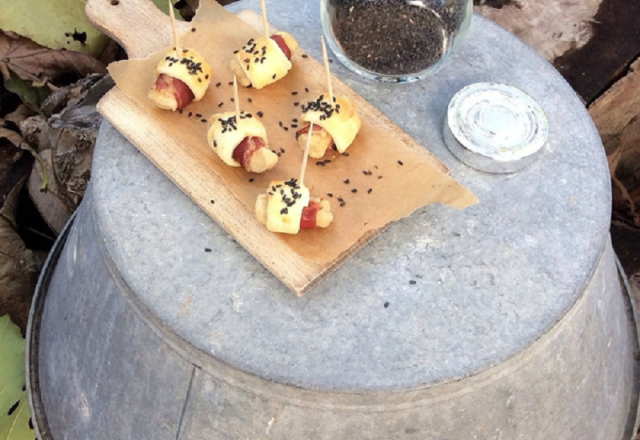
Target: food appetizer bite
point(239, 139)
point(287, 207)
point(180, 79)
point(335, 123)
point(334, 120)
point(264, 60)
point(182, 76)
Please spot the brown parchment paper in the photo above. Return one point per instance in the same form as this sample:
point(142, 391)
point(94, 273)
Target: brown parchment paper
point(399, 178)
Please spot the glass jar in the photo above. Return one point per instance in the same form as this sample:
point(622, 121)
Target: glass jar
point(395, 40)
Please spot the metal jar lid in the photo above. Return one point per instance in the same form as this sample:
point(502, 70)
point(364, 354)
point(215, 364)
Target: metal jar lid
point(494, 127)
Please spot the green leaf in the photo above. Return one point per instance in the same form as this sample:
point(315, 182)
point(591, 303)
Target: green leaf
point(32, 95)
point(52, 23)
point(15, 416)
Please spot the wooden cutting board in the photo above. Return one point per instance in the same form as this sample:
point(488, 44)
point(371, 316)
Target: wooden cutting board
point(143, 29)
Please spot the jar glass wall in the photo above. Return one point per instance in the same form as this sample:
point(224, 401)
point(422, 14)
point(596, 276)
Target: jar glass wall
point(395, 40)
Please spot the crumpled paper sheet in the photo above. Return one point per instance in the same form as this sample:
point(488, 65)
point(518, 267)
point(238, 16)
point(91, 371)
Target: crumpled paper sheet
point(399, 177)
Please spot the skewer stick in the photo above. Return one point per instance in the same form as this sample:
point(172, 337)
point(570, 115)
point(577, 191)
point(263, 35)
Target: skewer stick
point(306, 156)
point(175, 29)
point(327, 70)
point(236, 99)
point(265, 23)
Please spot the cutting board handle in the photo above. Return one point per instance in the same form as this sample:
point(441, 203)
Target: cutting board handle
point(138, 25)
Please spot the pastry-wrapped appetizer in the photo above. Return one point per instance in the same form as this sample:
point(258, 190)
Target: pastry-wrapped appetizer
point(287, 208)
point(263, 61)
point(180, 79)
point(334, 123)
point(241, 143)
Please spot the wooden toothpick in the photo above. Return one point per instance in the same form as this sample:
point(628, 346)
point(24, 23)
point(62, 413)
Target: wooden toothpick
point(306, 156)
point(265, 23)
point(327, 70)
point(176, 44)
point(236, 100)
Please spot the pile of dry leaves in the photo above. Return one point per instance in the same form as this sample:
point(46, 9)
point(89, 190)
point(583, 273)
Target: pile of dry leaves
point(53, 66)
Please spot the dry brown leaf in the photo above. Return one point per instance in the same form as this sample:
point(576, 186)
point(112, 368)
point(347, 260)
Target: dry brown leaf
point(49, 203)
point(9, 151)
point(32, 62)
point(18, 115)
point(19, 266)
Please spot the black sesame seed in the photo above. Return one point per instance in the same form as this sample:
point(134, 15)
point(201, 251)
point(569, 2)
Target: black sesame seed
point(294, 120)
point(296, 103)
point(369, 190)
point(386, 304)
point(280, 123)
point(251, 180)
point(232, 100)
point(354, 190)
point(218, 84)
point(294, 125)
point(306, 89)
point(203, 120)
point(330, 194)
point(215, 143)
point(230, 83)
point(379, 177)
point(260, 114)
point(304, 55)
point(221, 104)
point(198, 115)
point(180, 111)
point(236, 51)
point(193, 29)
point(249, 99)
point(400, 162)
point(274, 76)
point(346, 181)
point(213, 201)
point(190, 114)
point(412, 281)
point(207, 250)
point(281, 150)
point(342, 203)
point(320, 164)
point(345, 154)
point(294, 93)
point(286, 128)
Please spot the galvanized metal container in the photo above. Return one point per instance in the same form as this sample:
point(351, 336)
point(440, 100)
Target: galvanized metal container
point(507, 320)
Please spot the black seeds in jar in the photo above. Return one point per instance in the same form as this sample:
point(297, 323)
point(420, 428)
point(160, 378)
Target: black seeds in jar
point(395, 37)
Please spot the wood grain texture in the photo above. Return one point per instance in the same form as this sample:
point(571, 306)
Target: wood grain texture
point(616, 114)
point(147, 31)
